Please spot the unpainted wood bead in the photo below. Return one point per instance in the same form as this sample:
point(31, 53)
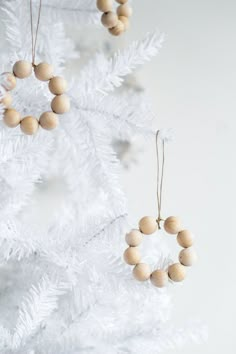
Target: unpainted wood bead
point(134, 238)
point(60, 104)
point(11, 118)
point(121, 1)
point(124, 10)
point(43, 71)
point(109, 19)
point(142, 272)
point(104, 5)
point(22, 69)
point(177, 272)
point(6, 101)
point(185, 238)
point(125, 22)
point(48, 120)
point(159, 278)
point(118, 29)
point(57, 85)
point(172, 225)
point(188, 257)
point(29, 125)
point(148, 225)
point(132, 256)
point(9, 81)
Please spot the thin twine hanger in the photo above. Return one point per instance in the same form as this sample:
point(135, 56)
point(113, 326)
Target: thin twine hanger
point(34, 40)
point(160, 176)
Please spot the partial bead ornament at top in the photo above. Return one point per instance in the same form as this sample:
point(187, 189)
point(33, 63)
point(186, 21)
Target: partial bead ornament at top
point(43, 71)
point(148, 225)
point(22, 69)
point(173, 225)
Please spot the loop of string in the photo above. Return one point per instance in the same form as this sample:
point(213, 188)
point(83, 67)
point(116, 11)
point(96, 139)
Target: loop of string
point(160, 176)
point(34, 40)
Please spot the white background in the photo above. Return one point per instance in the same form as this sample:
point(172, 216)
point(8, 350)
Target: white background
point(192, 84)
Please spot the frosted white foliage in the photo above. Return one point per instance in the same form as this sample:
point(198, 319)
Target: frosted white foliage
point(64, 287)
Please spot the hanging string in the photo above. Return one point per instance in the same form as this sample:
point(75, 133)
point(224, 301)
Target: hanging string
point(160, 176)
point(34, 40)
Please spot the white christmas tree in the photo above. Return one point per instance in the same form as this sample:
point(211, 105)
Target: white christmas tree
point(63, 285)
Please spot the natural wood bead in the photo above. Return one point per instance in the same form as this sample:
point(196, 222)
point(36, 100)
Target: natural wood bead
point(177, 272)
point(142, 272)
point(121, 1)
point(104, 5)
point(134, 238)
point(60, 104)
point(48, 120)
point(124, 10)
point(22, 69)
point(43, 71)
point(6, 101)
point(29, 125)
point(118, 29)
point(148, 225)
point(109, 19)
point(57, 85)
point(159, 278)
point(172, 225)
point(125, 22)
point(185, 238)
point(188, 257)
point(9, 82)
point(132, 256)
point(11, 118)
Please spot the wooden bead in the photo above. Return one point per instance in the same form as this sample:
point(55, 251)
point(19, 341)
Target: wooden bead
point(9, 81)
point(11, 118)
point(109, 19)
point(188, 257)
point(132, 256)
point(185, 238)
point(48, 120)
point(172, 225)
point(134, 238)
point(142, 272)
point(44, 71)
point(177, 272)
point(22, 69)
point(148, 225)
point(57, 85)
point(118, 29)
point(121, 1)
point(124, 10)
point(125, 22)
point(6, 101)
point(60, 104)
point(104, 5)
point(159, 278)
point(29, 125)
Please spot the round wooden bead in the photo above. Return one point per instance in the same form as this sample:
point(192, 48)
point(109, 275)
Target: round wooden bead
point(109, 19)
point(134, 238)
point(142, 272)
point(118, 29)
point(43, 71)
point(159, 278)
point(177, 272)
point(6, 101)
point(29, 125)
point(188, 257)
point(124, 10)
point(148, 225)
point(60, 104)
point(48, 120)
point(172, 225)
point(125, 22)
point(57, 85)
point(9, 81)
point(104, 5)
point(11, 118)
point(22, 69)
point(185, 238)
point(132, 256)
point(121, 1)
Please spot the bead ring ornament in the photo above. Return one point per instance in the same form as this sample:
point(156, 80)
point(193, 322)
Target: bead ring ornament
point(43, 72)
point(148, 225)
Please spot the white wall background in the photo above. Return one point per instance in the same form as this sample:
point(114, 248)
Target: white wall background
point(193, 86)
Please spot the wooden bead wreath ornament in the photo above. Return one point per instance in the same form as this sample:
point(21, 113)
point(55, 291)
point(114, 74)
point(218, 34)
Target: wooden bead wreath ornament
point(116, 23)
point(44, 72)
point(148, 225)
